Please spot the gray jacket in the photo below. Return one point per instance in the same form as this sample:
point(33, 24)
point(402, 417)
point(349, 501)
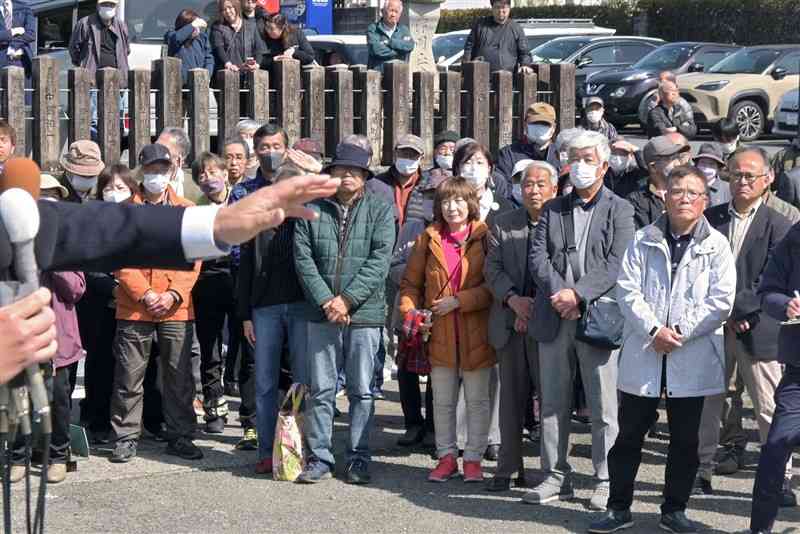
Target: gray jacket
point(504, 271)
point(697, 301)
point(84, 45)
point(610, 231)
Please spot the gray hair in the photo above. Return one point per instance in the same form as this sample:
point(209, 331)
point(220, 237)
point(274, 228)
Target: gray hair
point(247, 125)
point(544, 166)
point(748, 149)
point(360, 141)
point(181, 139)
point(462, 142)
point(682, 171)
point(590, 139)
point(237, 141)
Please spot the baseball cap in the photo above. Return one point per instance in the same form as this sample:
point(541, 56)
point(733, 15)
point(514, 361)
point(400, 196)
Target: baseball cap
point(593, 100)
point(153, 154)
point(710, 151)
point(410, 141)
point(541, 112)
point(662, 146)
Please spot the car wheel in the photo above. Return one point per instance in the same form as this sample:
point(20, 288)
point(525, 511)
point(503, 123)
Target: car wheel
point(749, 118)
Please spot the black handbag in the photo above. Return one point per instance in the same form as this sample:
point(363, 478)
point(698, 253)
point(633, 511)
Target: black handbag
point(601, 323)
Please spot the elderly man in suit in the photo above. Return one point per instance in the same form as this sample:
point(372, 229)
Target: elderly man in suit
point(751, 336)
point(575, 259)
point(511, 320)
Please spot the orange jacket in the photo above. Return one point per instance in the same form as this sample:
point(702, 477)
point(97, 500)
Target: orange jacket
point(134, 283)
point(426, 274)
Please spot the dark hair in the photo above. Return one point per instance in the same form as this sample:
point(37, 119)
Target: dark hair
point(7, 129)
point(725, 129)
point(111, 172)
point(279, 20)
point(237, 141)
point(237, 5)
point(453, 188)
point(682, 171)
point(202, 161)
point(465, 152)
point(268, 130)
point(186, 16)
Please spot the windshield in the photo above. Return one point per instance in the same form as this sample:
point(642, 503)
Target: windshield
point(665, 58)
point(149, 20)
point(448, 45)
point(746, 62)
point(556, 51)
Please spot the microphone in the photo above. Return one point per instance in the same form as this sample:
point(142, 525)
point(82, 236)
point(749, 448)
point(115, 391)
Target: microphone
point(19, 187)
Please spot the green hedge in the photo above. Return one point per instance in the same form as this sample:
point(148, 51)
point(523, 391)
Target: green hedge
point(746, 22)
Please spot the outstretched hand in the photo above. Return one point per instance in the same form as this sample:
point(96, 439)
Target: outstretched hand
point(270, 206)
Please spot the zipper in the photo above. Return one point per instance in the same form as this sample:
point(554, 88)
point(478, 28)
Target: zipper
point(337, 280)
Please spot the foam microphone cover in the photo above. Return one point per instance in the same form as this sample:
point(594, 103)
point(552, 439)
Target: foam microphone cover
point(22, 173)
point(20, 215)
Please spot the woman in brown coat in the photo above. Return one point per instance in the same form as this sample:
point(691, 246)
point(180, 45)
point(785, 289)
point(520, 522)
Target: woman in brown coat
point(445, 275)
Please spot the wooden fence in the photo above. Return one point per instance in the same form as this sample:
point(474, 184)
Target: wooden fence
point(322, 103)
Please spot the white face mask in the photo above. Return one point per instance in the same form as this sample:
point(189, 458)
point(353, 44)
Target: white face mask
point(709, 171)
point(406, 167)
point(445, 162)
point(594, 116)
point(729, 148)
point(116, 196)
point(106, 13)
point(82, 184)
point(475, 174)
point(516, 193)
point(582, 175)
point(155, 184)
point(539, 133)
point(618, 163)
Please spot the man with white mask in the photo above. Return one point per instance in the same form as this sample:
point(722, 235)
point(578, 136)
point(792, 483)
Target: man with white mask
point(593, 119)
point(537, 141)
point(82, 164)
point(627, 171)
point(710, 161)
point(177, 142)
point(575, 258)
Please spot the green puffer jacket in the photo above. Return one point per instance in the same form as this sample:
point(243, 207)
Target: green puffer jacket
point(351, 260)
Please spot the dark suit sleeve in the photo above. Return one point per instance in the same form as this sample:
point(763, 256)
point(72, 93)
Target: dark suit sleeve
point(244, 280)
point(658, 123)
point(547, 278)
point(101, 236)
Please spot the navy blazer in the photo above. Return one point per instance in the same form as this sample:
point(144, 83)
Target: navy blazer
point(766, 230)
point(610, 232)
point(22, 17)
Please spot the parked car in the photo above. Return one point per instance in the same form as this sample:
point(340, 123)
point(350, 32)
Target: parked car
point(627, 91)
point(786, 115)
point(448, 48)
point(746, 86)
point(594, 54)
point(337, 49)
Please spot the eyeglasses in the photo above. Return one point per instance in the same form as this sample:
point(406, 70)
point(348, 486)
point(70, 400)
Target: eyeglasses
point(678, 194)
point(745, 178)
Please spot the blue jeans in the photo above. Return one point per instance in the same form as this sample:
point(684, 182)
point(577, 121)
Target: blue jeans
point(275, 327)
point(330, 348)
point(93, 107)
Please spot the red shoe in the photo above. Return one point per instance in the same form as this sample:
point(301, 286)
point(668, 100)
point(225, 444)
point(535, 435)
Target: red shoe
point(473, 472)
point(264, 467)
point(447, 469)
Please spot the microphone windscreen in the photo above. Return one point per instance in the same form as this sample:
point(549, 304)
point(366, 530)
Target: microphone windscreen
point(22, 173)
point(20, 215)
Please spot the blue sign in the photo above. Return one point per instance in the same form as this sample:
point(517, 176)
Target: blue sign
point(315, 15)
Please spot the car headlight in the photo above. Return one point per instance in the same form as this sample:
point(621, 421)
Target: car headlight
point(636, 77)
point(619, 92)
point(712, 86)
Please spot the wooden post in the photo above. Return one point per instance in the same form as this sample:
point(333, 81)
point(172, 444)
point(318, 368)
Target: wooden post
point(79, 83)
point(314, 104)
point(227, 105)
point(199, 131)
point(340, 103)
point(139, 81)
point(258, 96)
point(12, 82)
point(526, 95)
point(450, 102)
point(359, 124)
point(422, 123)
point(502, 108)
point(287, 83)
point(476, 100)
point(396, 107)
point(46, 139)
point(169, 96)
point(371, 111)
point(562, 82)
point(108, 130)
point(542, 71)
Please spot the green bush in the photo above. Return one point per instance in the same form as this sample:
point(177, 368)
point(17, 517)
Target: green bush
point(746, 22)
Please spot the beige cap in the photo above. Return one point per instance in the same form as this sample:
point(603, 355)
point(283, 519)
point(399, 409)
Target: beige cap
point(51, 182)
point(83, 158)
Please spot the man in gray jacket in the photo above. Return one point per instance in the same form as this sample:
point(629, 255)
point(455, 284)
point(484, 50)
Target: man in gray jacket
point(499, 41)
point(589, 228)
point(511, 319)
point(676, 288)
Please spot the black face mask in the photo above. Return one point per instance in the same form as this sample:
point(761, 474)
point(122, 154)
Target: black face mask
point(270, 161)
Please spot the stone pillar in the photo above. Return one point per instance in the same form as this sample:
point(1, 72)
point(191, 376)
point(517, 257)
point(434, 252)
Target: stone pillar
point(422, 19)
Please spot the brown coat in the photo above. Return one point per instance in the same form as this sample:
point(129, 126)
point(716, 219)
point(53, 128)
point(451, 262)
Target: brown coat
point(426, 273)
point(134, 283)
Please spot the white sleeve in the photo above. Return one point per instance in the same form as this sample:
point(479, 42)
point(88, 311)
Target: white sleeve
point(197, 234)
